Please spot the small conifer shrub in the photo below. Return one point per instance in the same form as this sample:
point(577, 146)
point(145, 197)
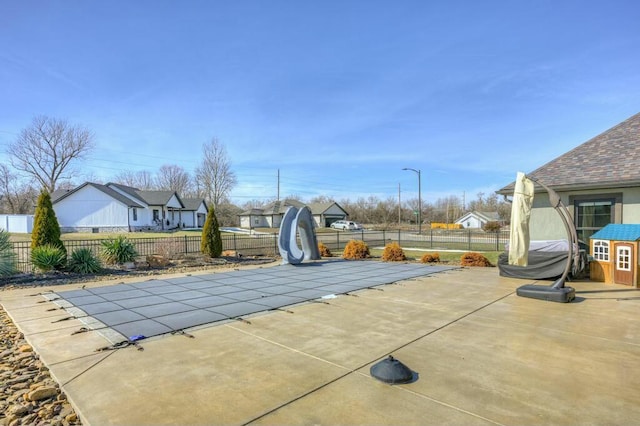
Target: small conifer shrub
point(356, 249)
point(211, 242)
point(393, 253)
point(474, 259)
point(324, 250)
point(430, 258)
point(46, 230)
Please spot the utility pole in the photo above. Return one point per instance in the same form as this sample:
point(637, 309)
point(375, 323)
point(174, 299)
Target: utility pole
point(399, 208)
point(278, 199)
point(419, 198)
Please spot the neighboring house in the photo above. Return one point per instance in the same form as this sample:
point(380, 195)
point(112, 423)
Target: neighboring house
point(598, 181)
point(93, 207)
point(194, 213)
point(478, 219)
point(270, 216)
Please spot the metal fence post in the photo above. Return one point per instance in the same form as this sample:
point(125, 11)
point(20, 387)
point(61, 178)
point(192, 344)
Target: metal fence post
point(469, 238)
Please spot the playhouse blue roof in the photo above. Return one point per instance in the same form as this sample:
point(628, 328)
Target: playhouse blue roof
point(618, 232)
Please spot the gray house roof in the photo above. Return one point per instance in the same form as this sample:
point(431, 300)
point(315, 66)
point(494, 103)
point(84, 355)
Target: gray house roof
point(280, 207)
point(611, 159)
point(61, 194)
point(193, 203)
point(153, 198)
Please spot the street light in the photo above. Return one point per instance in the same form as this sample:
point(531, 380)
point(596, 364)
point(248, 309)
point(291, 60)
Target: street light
point(419, 198)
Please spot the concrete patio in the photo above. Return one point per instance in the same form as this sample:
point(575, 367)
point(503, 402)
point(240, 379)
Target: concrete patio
point(482, 354)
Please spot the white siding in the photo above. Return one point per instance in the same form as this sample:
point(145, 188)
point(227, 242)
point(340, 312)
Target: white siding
point(19, 223)
point(90, 207)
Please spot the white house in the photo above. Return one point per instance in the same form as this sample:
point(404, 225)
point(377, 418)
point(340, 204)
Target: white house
point(194, 213)
point(478, 219)
point(93, 207)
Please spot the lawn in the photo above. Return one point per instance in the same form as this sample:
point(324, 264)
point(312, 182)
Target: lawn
point(445, 256)
point(105, 235)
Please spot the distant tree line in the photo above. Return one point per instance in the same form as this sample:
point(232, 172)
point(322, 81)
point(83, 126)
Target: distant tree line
point(47, 154)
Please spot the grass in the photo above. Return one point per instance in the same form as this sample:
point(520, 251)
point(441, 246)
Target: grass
point(445, 256)
point(107, 235)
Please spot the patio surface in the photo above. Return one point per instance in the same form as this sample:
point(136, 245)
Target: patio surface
point(482, 355)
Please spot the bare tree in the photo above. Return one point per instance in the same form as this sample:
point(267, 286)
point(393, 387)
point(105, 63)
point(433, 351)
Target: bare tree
point(16, 196)
point(46, 149)
point(171, 177)
point(141, 179)
point(214, 177)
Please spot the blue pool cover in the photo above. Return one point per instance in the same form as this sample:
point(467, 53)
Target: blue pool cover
point(158, 306)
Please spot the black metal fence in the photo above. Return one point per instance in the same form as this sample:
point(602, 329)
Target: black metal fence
point(267, 244)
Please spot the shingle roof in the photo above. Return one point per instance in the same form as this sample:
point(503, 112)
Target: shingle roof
point(61, 194)
point(155, 198)
point(280, 207)
point(193, 203)
point(618, 232)
point(611, 159)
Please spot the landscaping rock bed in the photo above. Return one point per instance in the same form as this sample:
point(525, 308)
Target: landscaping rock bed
point(142, 269)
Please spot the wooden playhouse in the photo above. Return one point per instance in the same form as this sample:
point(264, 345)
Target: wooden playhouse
point(614, 249)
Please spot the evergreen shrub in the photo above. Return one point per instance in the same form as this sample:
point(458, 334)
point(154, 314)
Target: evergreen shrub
point(211, 242)
point(46, 230)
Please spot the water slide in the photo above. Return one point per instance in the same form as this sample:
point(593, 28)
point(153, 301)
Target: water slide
point(293, 220)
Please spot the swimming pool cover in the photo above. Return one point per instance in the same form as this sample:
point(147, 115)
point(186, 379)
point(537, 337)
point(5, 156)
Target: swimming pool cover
point(158, 306)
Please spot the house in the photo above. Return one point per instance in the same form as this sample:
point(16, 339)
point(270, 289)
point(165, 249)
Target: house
point(478, 219)
point(270, 216)
point(615, 252)
point(93, 207)
point(598, 182)
point(194, 213)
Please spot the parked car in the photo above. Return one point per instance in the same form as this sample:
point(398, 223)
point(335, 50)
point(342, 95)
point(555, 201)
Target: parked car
point(346, 225)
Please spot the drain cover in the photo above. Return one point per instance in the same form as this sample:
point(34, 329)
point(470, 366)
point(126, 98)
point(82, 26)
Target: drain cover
point(392, 371)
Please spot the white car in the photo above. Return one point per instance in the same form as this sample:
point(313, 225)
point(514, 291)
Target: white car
point(346, 225)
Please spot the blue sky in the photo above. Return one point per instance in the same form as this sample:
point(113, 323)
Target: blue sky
point(337, 95)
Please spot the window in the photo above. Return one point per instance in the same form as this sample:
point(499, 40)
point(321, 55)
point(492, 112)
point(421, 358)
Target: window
point(624, 258)
point(593, 213)
point(135, 214)
point(156, 215)
point(601, 250)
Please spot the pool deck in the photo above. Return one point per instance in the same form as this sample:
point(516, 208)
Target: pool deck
point(482, 355)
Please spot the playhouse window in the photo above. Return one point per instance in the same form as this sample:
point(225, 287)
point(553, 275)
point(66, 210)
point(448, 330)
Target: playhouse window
point(624, 258)
point(601, 250)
